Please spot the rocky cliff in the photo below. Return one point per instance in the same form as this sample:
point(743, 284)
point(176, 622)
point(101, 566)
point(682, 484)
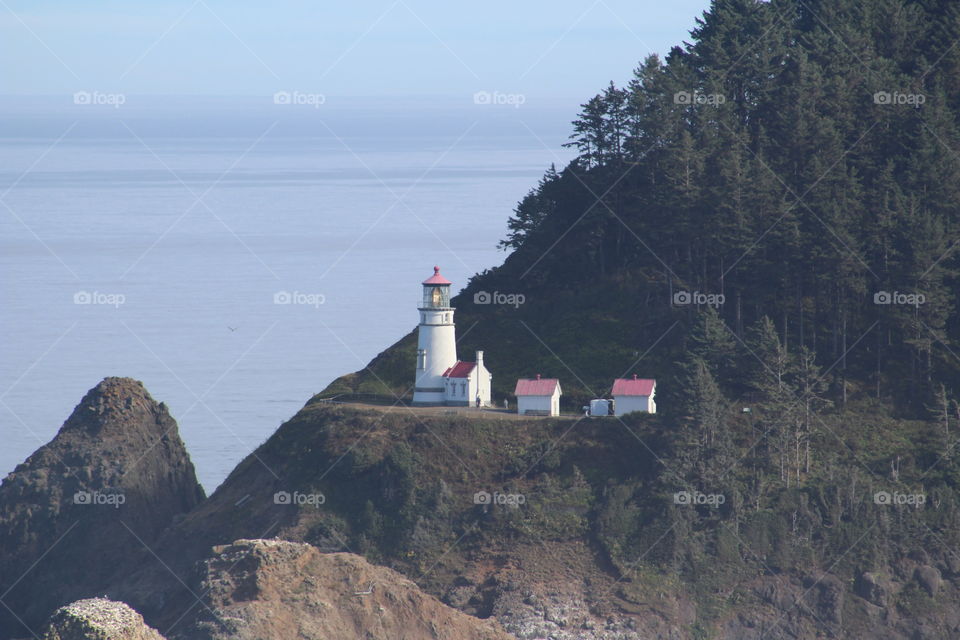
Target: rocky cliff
point(554, 528)
point(561, 528)
point(95, 511)
point(255, 589)
point(90, 501)
point(98, 619)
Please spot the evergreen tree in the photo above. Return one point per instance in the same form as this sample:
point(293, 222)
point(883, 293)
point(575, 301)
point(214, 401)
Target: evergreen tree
point(771, 381)
point(712, 343)
point(530, 212)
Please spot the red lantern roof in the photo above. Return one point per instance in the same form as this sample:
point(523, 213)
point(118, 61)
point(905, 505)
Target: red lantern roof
point(436, 278)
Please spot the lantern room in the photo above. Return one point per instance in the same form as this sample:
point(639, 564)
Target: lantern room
point(436, 291)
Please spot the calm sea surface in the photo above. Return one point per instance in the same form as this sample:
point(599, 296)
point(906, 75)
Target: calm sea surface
point(150, 241)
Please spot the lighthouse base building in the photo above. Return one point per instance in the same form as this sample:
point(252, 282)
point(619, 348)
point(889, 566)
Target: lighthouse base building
point(442, 379)
point(465, 382)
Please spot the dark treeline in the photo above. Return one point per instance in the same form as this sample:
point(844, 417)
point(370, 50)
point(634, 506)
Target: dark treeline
point(800, 158)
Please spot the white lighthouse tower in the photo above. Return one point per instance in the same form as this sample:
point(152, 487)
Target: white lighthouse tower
point(436, 343)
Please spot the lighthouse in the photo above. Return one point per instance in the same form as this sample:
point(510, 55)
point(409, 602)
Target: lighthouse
point(436, 342)
point(441, 378)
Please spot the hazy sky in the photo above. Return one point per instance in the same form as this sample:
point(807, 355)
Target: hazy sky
point(547, 51)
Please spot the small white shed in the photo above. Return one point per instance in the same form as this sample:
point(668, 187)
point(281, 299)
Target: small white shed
point(636, 394)
point(538, 396)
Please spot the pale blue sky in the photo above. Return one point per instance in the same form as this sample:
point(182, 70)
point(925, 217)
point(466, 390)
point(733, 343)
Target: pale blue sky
point(551, 52)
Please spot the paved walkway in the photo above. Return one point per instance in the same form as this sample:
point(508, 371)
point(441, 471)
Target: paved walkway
point(470, 412)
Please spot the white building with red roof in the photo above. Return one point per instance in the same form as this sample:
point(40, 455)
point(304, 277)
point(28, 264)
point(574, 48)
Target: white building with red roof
point(464, 382)
point(538, 396)
point(441, 379)
point(634, 394)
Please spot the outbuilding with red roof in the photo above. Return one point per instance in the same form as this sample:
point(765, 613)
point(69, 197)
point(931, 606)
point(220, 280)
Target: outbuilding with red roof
point(538, 396)
point(634, 394)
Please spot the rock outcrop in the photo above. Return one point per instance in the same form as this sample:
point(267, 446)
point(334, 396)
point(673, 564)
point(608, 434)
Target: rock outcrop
point(254, 589)
point(930, 579)
point(98, 619)
point(89, 502)
point(875, 588)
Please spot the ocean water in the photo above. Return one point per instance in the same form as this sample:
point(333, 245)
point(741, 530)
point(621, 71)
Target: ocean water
point(153, 240)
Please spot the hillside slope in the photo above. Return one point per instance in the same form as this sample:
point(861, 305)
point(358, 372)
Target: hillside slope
point(587, 539)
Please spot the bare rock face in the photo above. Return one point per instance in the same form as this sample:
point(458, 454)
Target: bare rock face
point(875, 588)
point(98, 619)
point(254, 589)
point(89, 502)
point(929, 578)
